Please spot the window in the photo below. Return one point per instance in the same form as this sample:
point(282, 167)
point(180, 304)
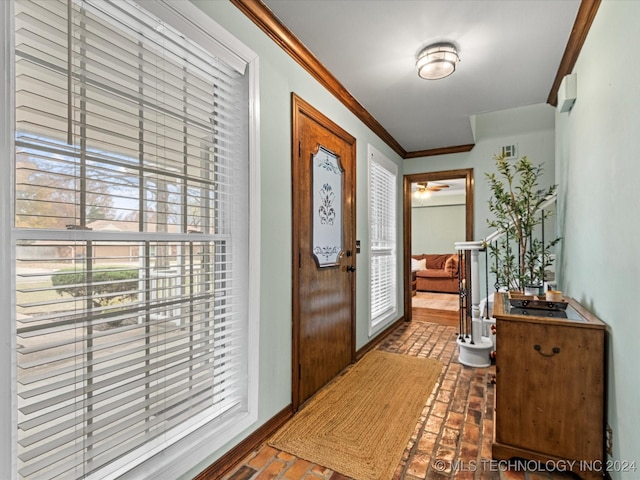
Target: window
point(131, 236)
point(382, 239)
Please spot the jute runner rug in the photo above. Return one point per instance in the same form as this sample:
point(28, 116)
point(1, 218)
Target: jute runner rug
point(360, 424)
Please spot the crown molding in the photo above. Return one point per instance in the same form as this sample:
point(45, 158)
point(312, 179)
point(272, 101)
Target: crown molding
point(584, 19)
point(440, 151)
point(260, 14)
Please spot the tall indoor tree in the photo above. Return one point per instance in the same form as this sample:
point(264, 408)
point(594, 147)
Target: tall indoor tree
point(520, 255)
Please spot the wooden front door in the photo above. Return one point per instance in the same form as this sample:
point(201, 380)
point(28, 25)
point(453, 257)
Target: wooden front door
point(323, 250)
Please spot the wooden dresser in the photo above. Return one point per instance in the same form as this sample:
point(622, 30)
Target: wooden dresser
point(550, 387)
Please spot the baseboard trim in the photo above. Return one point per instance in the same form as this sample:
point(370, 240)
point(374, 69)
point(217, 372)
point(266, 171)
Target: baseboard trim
point(231, 459)
point(378, 338)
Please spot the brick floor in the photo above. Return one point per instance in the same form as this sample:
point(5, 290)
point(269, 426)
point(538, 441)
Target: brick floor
point(452, 439)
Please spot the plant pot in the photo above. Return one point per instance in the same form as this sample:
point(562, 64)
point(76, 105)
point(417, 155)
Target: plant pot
point(533, 290)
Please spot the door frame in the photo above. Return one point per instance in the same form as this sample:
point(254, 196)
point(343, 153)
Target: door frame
point(299, 108)
point(465, 173)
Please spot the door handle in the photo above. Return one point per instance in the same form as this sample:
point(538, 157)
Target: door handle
point(351, 268)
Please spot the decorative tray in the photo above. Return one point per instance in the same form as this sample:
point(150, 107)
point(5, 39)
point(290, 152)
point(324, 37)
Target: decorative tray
point(520, 300)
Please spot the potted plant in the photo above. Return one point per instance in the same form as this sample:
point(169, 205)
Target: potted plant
point(520, 255)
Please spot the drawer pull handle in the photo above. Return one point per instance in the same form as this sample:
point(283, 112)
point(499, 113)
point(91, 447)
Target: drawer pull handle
point(554, 350)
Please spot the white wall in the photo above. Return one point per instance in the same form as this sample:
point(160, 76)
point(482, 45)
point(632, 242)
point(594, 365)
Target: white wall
point(436, 228)
point(598, 167)
point(531, 128)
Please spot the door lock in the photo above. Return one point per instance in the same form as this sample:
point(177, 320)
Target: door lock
point(351, 268)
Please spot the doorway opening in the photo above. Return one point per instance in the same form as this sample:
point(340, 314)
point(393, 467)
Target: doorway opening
point(420, 187)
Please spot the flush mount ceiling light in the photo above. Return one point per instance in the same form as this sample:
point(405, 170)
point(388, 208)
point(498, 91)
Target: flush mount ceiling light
point(437, 61)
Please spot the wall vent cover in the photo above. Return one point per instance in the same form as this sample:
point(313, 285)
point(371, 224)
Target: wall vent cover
point(509, 151)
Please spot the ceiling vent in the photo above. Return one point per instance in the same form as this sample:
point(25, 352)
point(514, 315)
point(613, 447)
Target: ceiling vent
point(567, 93)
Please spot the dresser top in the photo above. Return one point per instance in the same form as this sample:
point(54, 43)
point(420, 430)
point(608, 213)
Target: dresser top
point(574, 315)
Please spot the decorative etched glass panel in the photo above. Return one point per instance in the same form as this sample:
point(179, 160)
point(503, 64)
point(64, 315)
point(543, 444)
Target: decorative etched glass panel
point(327, 207)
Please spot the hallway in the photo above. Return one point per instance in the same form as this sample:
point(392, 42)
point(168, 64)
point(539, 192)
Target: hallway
point(452, 439)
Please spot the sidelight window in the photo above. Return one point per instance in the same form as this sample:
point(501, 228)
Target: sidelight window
point(382, 239)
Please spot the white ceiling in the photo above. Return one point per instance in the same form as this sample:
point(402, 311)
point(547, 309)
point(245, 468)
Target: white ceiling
point(509, 51)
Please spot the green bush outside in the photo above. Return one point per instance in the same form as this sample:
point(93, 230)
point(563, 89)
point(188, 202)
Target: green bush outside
point(108, 285)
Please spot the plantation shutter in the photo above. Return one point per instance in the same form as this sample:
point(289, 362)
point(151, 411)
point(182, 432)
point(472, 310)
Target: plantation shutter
point(131, 218)
point(382, 234)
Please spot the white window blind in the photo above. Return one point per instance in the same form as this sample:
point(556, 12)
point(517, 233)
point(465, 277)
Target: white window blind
point(382, 237)
point(131, 228)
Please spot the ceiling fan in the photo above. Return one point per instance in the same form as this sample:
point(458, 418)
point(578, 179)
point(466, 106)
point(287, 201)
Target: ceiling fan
point(424, 188)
